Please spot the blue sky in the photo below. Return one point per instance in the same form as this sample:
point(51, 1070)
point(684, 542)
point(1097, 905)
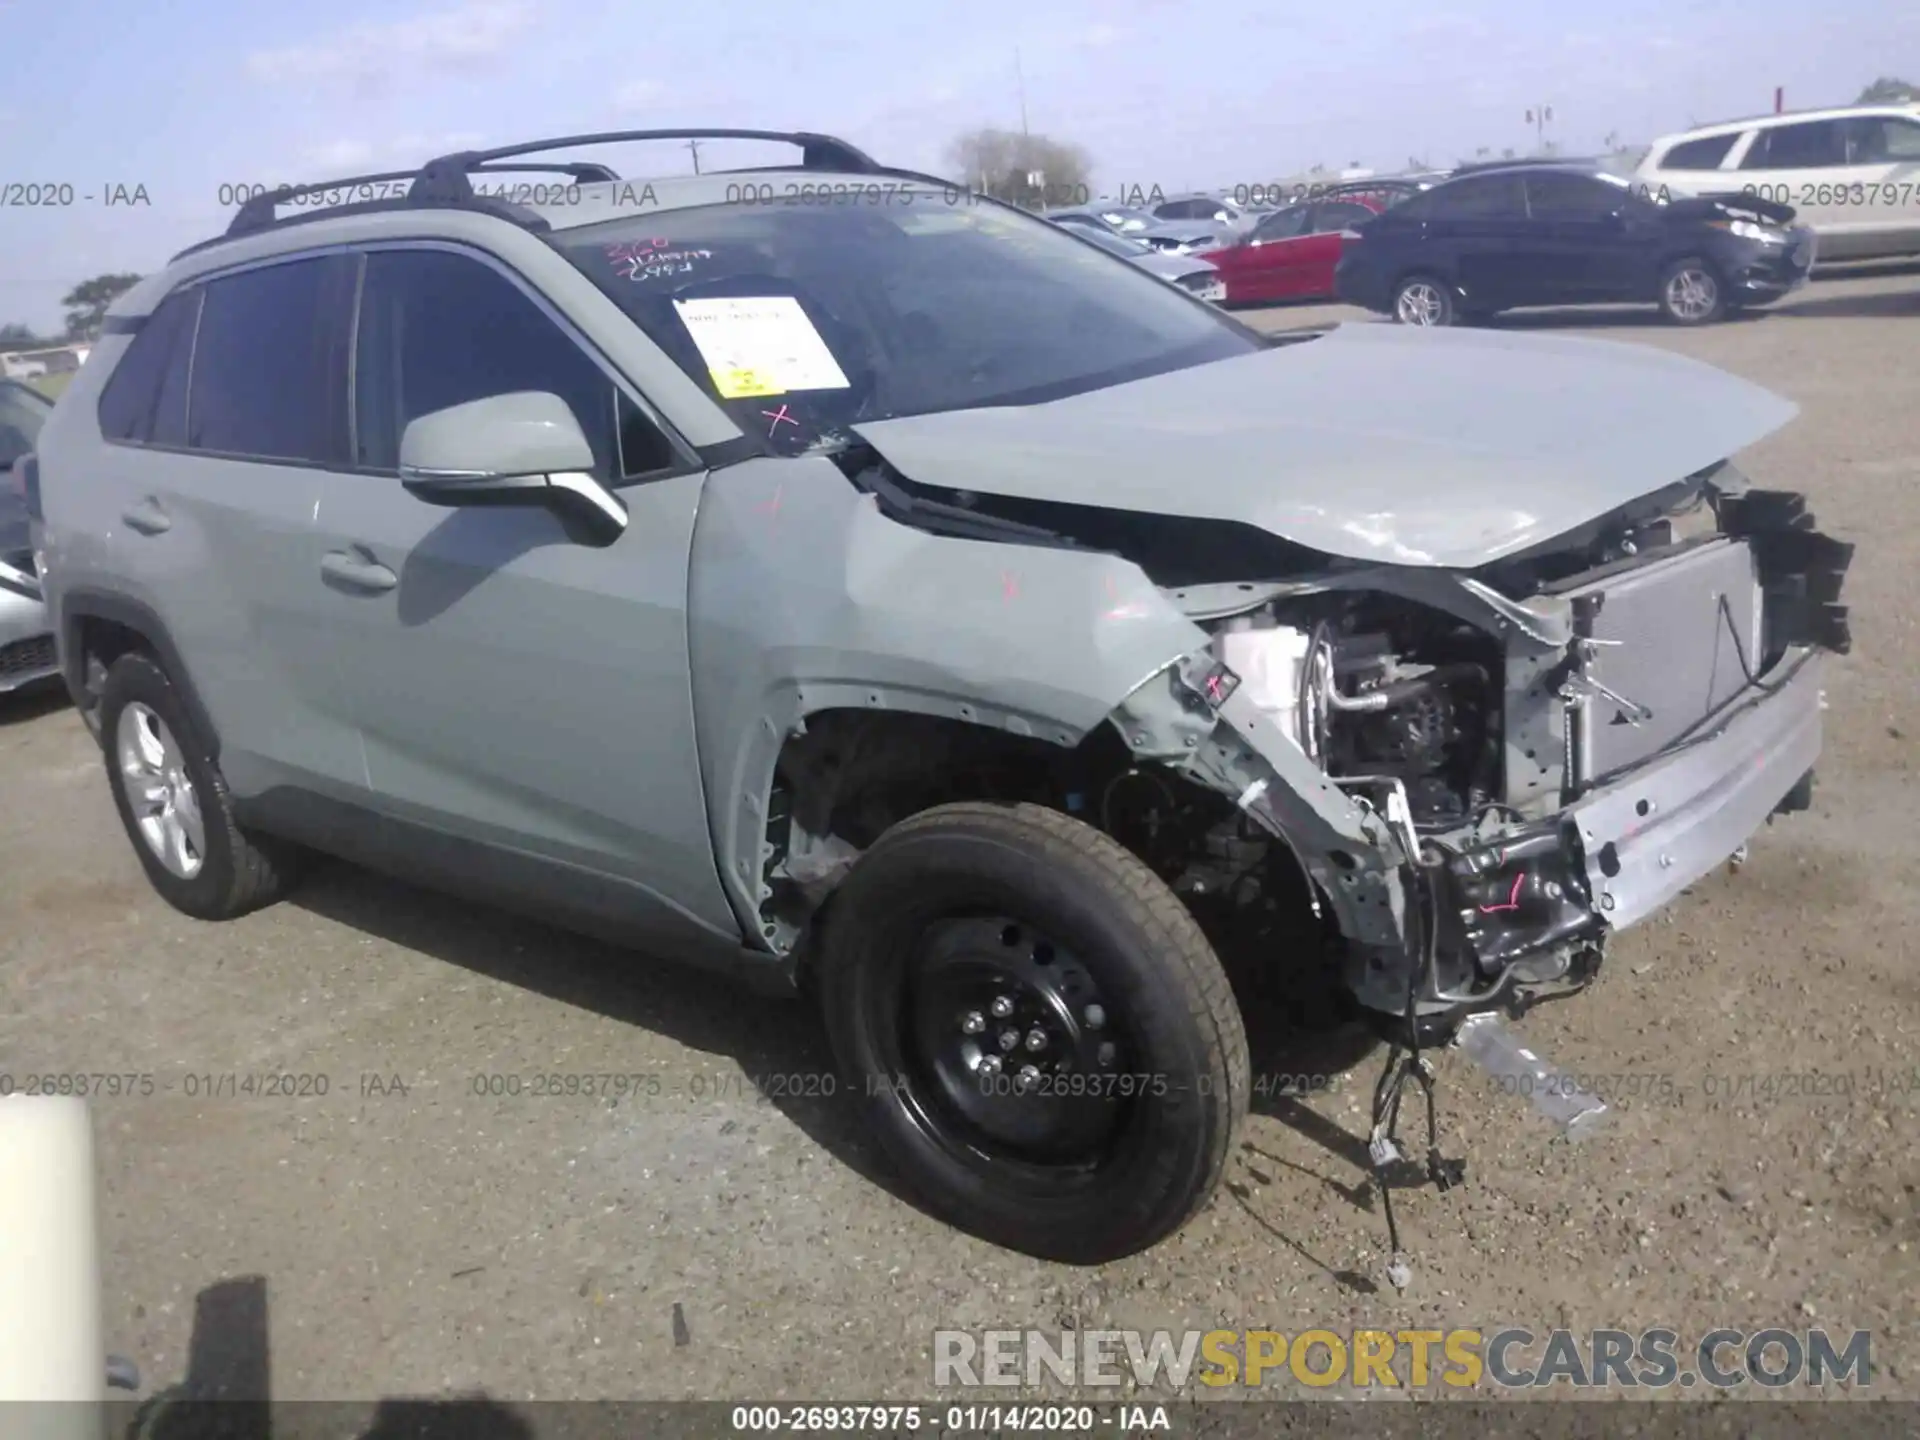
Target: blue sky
point(182, 99)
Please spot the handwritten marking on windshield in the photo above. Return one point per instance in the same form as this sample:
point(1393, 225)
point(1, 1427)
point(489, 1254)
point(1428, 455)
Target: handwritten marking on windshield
point(778, 417)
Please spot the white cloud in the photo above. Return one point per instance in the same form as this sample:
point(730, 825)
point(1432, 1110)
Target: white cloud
point(639, 95)
point(457, 37)
point(1099, 37)
point(393, 152)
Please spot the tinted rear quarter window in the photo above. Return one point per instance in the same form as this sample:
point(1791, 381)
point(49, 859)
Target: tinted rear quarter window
point(267, 364)
point(1699, 154)
point(145, 399)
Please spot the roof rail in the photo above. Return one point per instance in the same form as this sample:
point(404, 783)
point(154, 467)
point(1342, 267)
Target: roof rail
point(585, 171)
point(443, 181)
point(445, 178)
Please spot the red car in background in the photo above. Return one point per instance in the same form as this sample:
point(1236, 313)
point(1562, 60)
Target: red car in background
point(1290, 254)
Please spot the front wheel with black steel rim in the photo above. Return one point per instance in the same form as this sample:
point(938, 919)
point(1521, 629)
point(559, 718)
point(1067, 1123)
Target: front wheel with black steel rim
point(1423, 300)
point(1691, 293)
point(1044, 1041)
point(174, 803)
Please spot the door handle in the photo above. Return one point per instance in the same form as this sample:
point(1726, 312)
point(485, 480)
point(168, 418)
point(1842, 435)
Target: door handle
point(147, 517)
point(357, 572)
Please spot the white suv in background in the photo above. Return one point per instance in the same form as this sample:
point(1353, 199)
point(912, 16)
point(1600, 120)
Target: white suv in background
point(1853, 173)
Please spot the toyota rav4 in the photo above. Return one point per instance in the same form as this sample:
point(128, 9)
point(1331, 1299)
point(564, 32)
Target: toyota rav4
point(834, 576)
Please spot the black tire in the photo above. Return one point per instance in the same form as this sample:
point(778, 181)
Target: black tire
point(1170, 1009)
point(1435, 294)
point(1703, 275)
point(237, 872)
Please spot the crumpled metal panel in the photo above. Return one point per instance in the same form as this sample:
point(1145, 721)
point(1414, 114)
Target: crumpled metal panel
point(804, 597)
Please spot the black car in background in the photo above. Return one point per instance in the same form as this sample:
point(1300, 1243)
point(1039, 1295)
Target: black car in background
point(1568, 233)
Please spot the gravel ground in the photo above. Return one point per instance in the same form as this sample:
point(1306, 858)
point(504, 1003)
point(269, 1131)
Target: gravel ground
point(409, 1236)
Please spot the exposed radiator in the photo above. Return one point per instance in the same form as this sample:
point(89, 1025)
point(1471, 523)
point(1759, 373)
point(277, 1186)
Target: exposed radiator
point(1669, 644)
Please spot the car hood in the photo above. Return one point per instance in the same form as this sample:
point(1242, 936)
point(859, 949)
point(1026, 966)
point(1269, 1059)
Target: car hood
point(1171, 267)
point(1373, 442)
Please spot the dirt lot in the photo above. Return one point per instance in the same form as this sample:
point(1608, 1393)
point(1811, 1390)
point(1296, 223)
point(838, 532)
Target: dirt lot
point(415, 1237)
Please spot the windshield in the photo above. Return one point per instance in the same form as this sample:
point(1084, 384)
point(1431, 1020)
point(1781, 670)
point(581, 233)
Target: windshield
point(23, 410)
point(824, 316)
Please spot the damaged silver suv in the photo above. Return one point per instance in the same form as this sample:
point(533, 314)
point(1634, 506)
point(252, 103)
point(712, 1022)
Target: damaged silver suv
point(832, 575)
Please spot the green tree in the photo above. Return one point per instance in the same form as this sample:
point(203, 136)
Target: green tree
point(1888, 90)
point(1003, 164)
point(86, 304)
point(15, 336)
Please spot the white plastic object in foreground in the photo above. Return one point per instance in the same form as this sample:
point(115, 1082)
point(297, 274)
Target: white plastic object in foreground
point(50, 1333)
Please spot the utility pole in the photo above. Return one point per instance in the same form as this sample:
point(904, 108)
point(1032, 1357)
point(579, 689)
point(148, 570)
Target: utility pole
point(1538, 118)
point(694, 146)
point(1020, 79)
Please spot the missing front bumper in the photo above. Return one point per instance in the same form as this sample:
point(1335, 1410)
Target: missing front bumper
point(1651, 833)
point(1527, 911)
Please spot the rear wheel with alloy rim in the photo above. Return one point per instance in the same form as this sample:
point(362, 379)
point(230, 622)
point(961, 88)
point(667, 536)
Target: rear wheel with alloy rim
point(1044, 1041)
point(1690, 293)
point(1423, 300)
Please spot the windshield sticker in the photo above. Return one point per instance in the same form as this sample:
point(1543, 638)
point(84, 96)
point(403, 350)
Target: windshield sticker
point(760, 346)
point(643, 260)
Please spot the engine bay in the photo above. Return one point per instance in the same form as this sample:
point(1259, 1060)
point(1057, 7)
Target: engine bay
point(1373, 689)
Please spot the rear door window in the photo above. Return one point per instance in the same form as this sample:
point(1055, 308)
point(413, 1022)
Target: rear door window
point(1811, 145)
point(269, 363)
point(1571, 198)
point(145, 399)
point(1478, 197)
point(1339, 215)
point(1283, 224)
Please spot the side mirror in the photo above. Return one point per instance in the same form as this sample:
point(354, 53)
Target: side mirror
point(523, 449)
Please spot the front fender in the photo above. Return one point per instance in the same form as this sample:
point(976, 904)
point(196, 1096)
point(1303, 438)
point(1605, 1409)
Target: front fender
point(804, 597)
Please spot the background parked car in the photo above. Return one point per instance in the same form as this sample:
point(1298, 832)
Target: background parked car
point(1852, 174)
point(1291, 253)
point(1182, 237)
point(1547, 233)
point(26, 634)
point(1190, 272)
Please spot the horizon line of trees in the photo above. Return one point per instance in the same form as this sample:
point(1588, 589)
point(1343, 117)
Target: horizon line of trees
point(86, 306)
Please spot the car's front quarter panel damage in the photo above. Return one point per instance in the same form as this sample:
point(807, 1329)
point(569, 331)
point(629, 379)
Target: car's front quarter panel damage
point(805, 599)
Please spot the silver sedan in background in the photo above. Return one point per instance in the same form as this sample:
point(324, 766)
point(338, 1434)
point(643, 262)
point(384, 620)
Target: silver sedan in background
point(1189, 272)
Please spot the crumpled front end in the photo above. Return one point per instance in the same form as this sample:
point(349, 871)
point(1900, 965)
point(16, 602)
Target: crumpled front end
point(1488, 773)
